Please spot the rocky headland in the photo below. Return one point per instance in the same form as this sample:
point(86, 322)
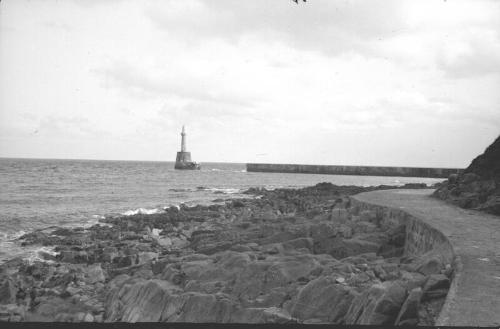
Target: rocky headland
point(478, 187)
point(281, 256)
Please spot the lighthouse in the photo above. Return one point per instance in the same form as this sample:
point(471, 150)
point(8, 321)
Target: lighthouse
point(183, 140)
point(183, 159)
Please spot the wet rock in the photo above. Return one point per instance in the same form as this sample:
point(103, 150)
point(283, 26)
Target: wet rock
point(237, 204)
point(436, 286)
point(210, 287)
point(359, 279)
point(379, 305)
point(323, 299)
point(430, 266)
point(144, 257)
point(50, 307)
point(275, 297)
point(12, 312)
point(79, 317)
point(306, 243)
point(408, 315)
point(58, 279)
point(199, 307)
point(109, 254)
point(164, 242)
point(72, 290)
point(240, 248)
point(73, 256)
point(88, 318)
point(413, 280)
point(323, 231)
point(261, 315)
point(492, 204)
point(139, 300)
point(39, 237)
point(94, 273)
point(62, 232)
point(8, 291)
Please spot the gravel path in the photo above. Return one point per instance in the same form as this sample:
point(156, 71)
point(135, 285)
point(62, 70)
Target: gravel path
point(475, 237)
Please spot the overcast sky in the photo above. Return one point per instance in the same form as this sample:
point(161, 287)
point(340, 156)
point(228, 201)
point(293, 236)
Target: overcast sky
point(412, 83)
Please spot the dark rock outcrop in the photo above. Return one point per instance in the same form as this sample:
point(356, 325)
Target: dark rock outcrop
point(478, 187)
point(379, 305)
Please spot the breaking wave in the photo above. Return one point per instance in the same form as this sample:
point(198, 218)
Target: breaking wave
point(218, 190)
point(142, 211)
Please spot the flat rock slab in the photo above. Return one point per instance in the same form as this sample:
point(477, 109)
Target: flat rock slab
point(475, 236)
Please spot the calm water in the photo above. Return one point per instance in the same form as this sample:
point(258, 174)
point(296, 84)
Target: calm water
point(36, 193)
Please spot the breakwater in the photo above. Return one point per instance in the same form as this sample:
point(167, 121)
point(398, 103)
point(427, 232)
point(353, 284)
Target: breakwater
point(353, 170)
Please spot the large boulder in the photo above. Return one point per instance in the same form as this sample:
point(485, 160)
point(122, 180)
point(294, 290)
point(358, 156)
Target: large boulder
point(409, 311)
point(7, 291)
point(199, 307)
point(324, 299)
point(94, 273)
point(139, 300)
point(300, 243)
point(378, 305)
point(436, 286)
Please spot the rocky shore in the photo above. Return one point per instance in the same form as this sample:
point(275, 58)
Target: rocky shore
point(281, 256)
point(478, 187)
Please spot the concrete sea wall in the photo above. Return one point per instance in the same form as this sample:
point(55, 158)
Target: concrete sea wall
point(421, 238)
point(353, 170)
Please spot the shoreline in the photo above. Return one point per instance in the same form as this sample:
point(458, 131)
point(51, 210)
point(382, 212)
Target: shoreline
point(298, 242)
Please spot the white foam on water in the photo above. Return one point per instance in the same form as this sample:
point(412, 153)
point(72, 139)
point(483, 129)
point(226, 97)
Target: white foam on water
point(141, 211)
point(16, 235)
point(219, 190)
point(172, 206)
point(36, 255)
point(225, 190)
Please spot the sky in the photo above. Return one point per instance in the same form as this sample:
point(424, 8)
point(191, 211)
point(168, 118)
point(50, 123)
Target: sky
point(391, 83)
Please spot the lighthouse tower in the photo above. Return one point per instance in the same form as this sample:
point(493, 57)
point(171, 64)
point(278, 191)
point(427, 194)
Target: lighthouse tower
point(183, 159)
point(183, 140)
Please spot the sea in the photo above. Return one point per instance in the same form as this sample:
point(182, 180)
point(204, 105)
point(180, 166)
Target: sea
point(40, 193)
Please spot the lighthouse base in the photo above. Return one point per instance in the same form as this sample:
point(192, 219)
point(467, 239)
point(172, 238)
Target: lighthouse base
point(183, 162)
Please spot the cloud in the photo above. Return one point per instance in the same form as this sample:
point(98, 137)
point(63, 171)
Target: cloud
point(75, 126)
point(328, 26)
point(474, 53)
point(163, 85)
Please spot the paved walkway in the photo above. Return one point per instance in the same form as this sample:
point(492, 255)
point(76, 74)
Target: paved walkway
point(475, 237)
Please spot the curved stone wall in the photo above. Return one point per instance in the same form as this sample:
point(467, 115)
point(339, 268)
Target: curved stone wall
point(421, 238)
